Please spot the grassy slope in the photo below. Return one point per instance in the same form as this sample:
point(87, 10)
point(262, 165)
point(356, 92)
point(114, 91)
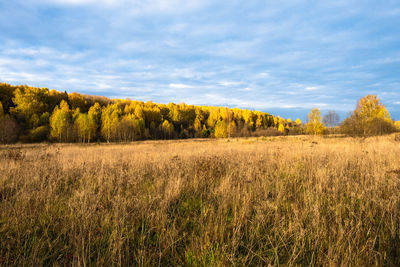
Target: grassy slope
point(286, 200)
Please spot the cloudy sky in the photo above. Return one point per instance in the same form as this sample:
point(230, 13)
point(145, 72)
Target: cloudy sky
point(282, 57)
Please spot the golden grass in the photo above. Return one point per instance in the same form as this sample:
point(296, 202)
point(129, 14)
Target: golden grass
point(258, 201)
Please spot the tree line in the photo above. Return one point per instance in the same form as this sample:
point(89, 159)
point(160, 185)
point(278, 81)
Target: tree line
point(30, 114)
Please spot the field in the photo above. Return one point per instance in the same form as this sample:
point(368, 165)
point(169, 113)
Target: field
point(239, 202)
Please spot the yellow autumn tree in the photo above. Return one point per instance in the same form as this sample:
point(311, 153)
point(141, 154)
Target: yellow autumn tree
point(82, 126)
point(369, 118)
point(397, 125)
point(109, 121)
point(221, 129)
point(60, 121)
point(314, 125)
point(372, 115)
point(94, 116)
point(168, 129)
point(281, 128)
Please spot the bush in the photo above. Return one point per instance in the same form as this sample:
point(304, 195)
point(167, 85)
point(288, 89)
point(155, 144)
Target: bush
point(267, 132)
point(354, 126)
point(39, 134)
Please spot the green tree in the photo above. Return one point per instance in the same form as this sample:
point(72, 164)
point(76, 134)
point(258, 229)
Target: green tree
point(314, 125)
point(60, 121)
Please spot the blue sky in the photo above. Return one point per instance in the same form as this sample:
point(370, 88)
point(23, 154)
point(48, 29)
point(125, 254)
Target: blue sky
point(282, 57)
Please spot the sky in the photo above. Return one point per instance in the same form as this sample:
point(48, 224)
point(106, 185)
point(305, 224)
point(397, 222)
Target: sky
point(281, 57)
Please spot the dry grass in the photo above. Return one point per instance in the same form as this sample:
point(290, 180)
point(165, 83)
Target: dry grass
point(266, 201)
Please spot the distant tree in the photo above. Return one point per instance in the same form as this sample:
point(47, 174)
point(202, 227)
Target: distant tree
point(248, 116)
point(314, 124)
point(78, 101)
point(331, 119)
point(60, 122)
point(126, 129)
point(370, 110)
point(213, 118)
point(298, 121)
point(109, 121)
point(232, 129)
point(168, 129)
point(205, 132)
point(6, 96)
point(221, 130)
point(82, 126)
point(30, 103)
point(197, 127)
point(94, 116)
point(369, 118)
point(281, 128)
point(397, 125)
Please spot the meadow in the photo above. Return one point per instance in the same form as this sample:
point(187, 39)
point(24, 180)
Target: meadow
point(289, 200)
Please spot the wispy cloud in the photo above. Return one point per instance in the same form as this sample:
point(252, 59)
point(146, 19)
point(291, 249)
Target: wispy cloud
point(180, 86)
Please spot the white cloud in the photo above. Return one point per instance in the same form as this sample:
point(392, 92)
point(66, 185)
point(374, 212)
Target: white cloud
point(180, 86)
point(312, 88)
point(264, 74)
point(246, 89)
point(230, 83)
point(134, 6)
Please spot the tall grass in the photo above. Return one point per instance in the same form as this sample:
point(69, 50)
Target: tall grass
point(246, 202)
